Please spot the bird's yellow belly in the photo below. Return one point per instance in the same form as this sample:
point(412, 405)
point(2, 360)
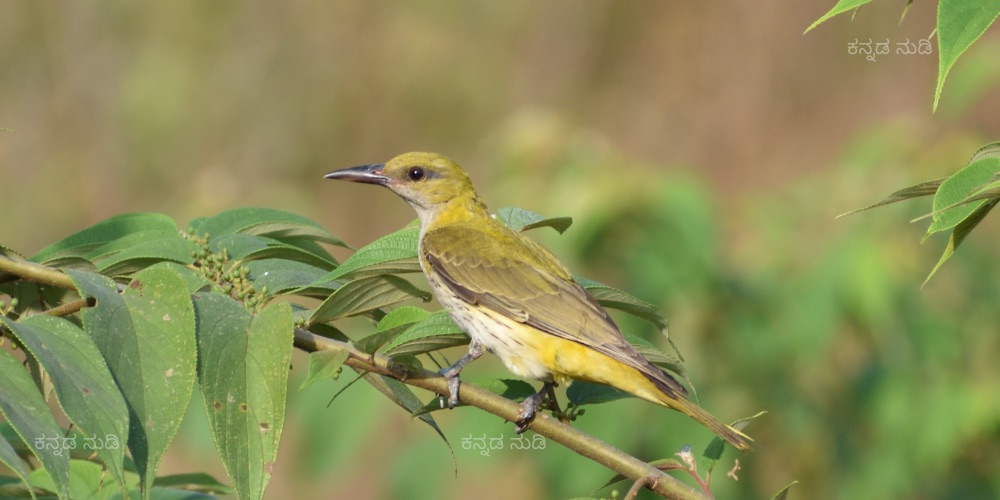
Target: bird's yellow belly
point(530, 353)
point(514, 343)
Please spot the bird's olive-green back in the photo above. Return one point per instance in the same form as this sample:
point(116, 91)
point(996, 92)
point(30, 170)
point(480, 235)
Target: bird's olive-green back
point(487, 264)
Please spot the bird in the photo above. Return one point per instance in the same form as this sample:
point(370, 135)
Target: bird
point(514, 298)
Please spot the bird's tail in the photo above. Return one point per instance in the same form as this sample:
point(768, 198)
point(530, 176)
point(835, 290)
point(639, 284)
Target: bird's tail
point(732, 436)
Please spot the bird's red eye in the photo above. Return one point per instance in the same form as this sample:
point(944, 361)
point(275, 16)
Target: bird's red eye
point(415, 173)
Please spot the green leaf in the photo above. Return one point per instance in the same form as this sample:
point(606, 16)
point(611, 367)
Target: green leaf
point(264, 222)
point(656, 356)
point(82, 382)
point(281, 276)
point(147, 337)
point(521, 220)
point(248, 247)
point(435, 331)
point(326, 330)
point(956, 188)
point(373, 342)
point(990, 150)
point(325, 364)
point(513, 389)
point(713, 452)
point(86, 481)
point(401, 316)
point(915, 191)
point(27, 413)
point(365, 295)
point(194, 481)
point(783, 494)
point(141, 253)
point(129, 241)
point(391, 326)
point(177, 494)
point(586, 393)
point(400, 393)
point(841, 7)
point(81, 243)
point(9, 458)
point(617, 299)
point(959, 24)
point(10, 253)
point(244, 377)
point(394, 253)
point(12, 487)
point(961, 231)
point(193, 280)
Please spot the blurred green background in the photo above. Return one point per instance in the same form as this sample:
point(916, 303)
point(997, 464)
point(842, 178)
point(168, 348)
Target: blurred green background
point(703, 150)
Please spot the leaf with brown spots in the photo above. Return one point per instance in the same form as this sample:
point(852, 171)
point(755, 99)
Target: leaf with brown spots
point(151, 358)
point(243, 370)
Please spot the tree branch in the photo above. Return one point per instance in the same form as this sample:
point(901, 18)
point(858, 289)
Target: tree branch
point(35, 272)
point(583, 444)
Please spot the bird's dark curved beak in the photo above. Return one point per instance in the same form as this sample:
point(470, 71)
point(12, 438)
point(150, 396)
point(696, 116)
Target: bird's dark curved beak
point(367, 174)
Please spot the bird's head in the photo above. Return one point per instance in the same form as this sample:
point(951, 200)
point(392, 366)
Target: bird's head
point(428, 181)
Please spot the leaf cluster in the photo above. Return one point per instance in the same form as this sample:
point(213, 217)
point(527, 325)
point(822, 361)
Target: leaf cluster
point(961, 200)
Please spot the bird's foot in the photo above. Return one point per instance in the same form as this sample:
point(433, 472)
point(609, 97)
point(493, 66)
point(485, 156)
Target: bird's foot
point(451, 373)
point(531, 405)
point(453, 383)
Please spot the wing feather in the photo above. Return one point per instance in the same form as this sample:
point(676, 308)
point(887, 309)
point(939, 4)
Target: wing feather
point(511, 274)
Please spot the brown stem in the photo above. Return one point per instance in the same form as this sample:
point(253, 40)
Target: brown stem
point(584, 444)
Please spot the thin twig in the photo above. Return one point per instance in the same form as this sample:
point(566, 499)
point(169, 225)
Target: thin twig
point(583, 444)
point(643, 482)
point(71, 307)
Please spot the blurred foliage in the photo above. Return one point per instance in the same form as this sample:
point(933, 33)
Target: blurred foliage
point(713, 138)
point(960, 23)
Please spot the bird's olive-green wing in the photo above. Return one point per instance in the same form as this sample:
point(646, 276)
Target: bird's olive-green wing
point(511, 274)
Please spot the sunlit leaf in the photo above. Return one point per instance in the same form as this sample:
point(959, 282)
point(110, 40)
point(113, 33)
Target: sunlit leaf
point(147, 337)
point(83, 242)
point(324, 364)
point(364, 295)
point(281, 276)
point(435, 331)
point(961, 231)
point(841, 7)
point(917, 190)
point(142, 253)
point(393, 253)
point(265, 222)
point(520, 219)
point(87, 480)
point(959, 24)
point(243, 369)
point(956, 188)
point(249, 247)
